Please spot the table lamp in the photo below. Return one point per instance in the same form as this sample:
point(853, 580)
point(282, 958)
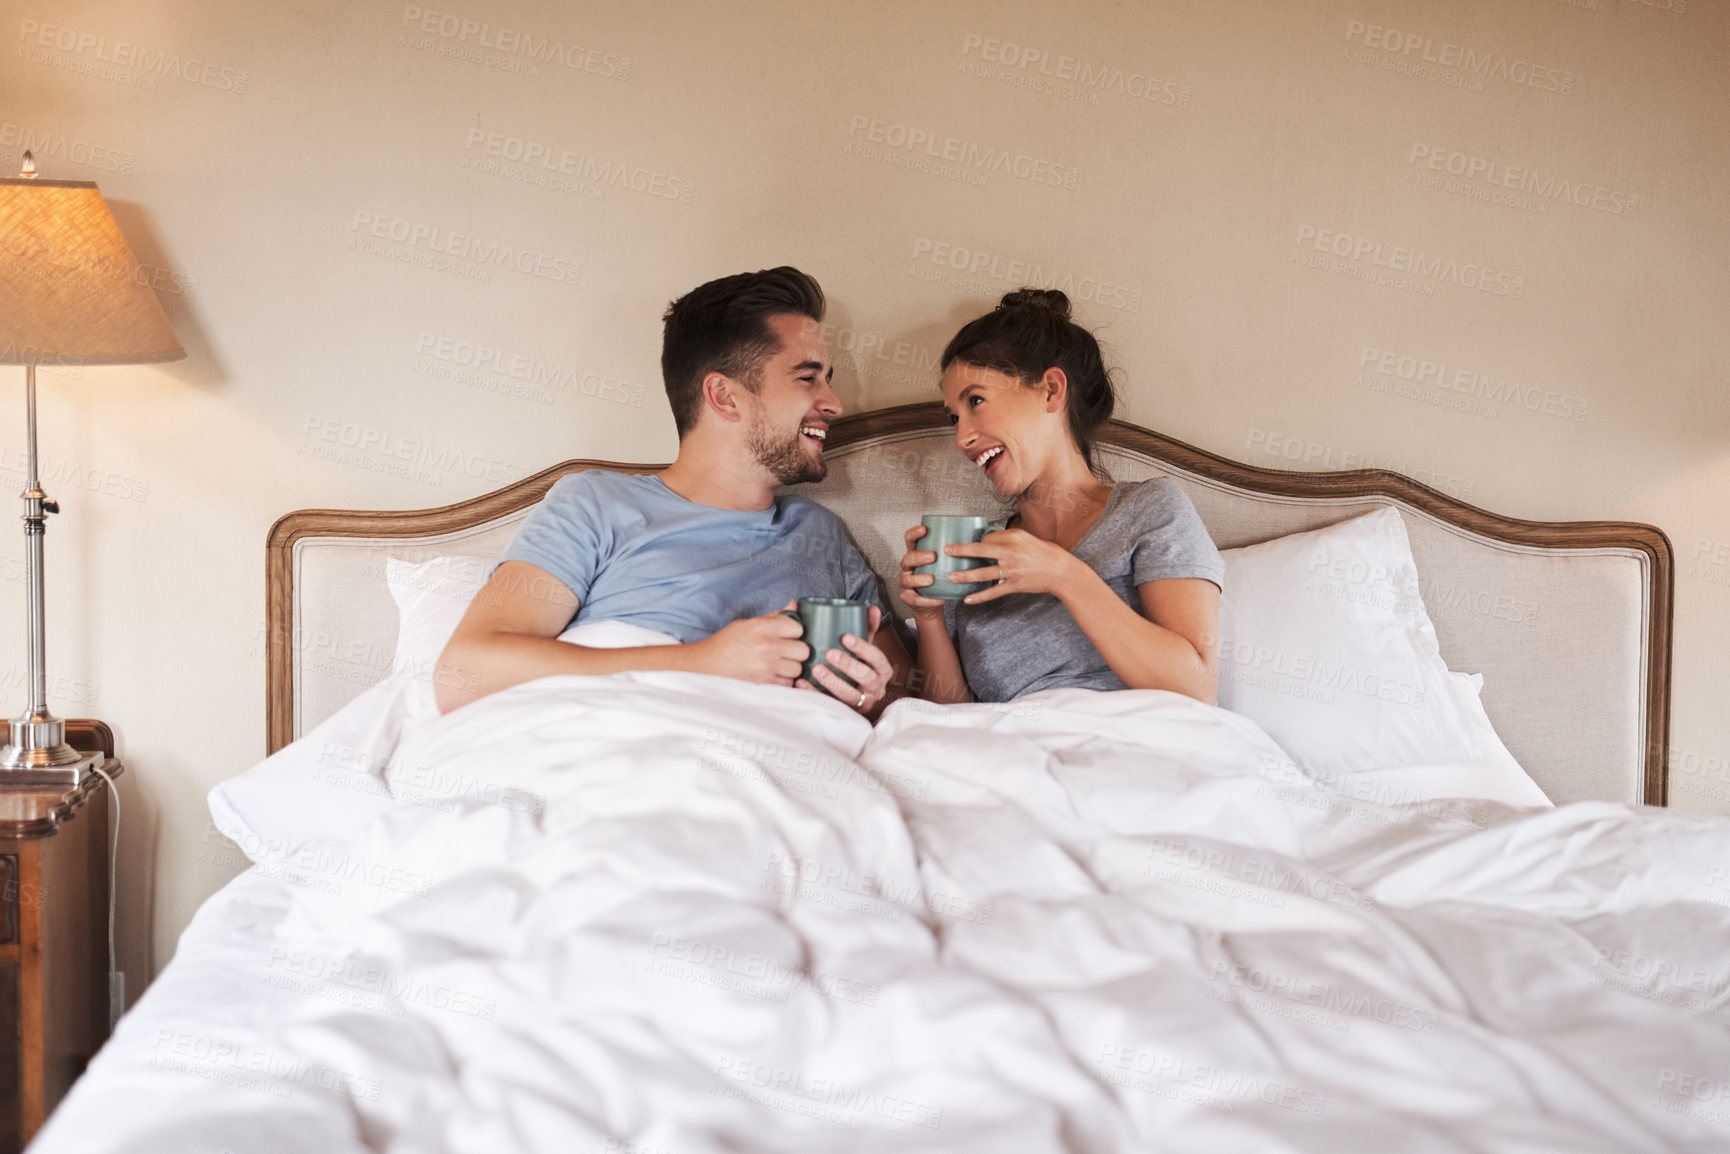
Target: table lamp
point(70, 294)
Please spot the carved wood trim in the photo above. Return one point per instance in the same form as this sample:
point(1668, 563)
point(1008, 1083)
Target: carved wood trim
point(929, 415)
point(1358, 483)
point(28, 813)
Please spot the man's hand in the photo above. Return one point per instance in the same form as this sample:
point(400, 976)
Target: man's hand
point(865, 665)
point(765, 650)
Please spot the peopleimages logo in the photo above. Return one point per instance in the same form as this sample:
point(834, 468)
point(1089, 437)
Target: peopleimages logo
point(1471, 383)
point(536, 374)
point(461, 31)
point(1400, 259)
point(1414, 49)
point(120, 54)
point(50, 261)
point(579, 166)
point(1015, 272)
point(793, 1089)
point(1329, 998)
point(983, 159)
point(1244, 663)
point(371, 231)
point(1073, 70)
point(1439, 158)
point(388, 448)
point(1200, 1083)
point(1312, 453)
point(47, 146)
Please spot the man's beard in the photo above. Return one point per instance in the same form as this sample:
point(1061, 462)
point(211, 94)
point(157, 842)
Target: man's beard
point(784, 457)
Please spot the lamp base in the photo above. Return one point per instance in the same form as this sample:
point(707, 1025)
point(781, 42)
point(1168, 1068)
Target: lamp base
point(37, 754)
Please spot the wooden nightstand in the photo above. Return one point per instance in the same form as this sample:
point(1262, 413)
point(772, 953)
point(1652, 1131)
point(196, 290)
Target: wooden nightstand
point(53, 937)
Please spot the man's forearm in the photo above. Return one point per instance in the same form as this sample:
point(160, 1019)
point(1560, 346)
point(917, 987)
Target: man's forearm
point(473, 668)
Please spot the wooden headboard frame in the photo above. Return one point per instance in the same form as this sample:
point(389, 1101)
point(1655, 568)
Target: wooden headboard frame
point(279, 609)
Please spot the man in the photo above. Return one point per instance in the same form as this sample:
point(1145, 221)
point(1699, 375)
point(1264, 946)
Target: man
point(704, 551)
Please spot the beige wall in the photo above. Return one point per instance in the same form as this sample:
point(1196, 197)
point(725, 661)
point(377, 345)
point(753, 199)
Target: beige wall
point(1291, 223)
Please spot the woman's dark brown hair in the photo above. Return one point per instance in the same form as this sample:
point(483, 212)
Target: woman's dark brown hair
point(1029, 332)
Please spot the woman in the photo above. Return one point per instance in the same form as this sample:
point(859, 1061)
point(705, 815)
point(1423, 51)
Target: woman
point(1092, 585)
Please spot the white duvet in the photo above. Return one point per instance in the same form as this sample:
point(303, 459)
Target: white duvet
point(675, 914)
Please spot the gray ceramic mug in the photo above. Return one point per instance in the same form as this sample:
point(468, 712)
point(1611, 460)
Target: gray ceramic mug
point(941, 530)
point(825, 619)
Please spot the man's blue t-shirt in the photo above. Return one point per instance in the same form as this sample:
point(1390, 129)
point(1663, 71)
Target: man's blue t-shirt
point(633, 550)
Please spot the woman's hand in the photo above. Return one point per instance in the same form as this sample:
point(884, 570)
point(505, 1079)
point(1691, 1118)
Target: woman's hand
point(1024, 564)
point(911, 582)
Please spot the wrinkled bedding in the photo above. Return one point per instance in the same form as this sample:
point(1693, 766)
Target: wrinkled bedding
point(675, 914)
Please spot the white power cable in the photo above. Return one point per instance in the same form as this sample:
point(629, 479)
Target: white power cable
point(113, 862)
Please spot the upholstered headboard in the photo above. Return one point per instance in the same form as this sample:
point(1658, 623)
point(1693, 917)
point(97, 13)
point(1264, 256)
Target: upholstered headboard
point(1569, 622)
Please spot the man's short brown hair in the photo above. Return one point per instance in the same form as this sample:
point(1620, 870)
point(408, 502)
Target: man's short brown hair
point(723, 327)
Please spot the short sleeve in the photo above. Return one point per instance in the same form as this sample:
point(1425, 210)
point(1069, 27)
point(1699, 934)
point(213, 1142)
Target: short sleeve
point(1172, 541)
point(861, 582)
point(566, 534)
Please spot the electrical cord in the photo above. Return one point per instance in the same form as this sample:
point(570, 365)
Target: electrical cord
point(113, 863)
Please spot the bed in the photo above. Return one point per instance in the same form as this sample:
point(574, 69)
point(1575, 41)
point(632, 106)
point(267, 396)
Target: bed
point(671, 913)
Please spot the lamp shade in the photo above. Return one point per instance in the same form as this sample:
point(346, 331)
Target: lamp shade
point(70, 291)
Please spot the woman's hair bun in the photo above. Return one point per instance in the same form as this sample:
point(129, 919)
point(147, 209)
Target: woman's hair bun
point(1030, 332)
point(1052, 300)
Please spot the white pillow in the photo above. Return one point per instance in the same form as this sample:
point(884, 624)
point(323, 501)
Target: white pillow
point(431, 598)
point(1324, 643)
point(1495, 775)
point(325, 787)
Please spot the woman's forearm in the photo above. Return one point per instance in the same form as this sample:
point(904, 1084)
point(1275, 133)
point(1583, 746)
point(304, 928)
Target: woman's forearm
point(940, 677)
point(1143, 654)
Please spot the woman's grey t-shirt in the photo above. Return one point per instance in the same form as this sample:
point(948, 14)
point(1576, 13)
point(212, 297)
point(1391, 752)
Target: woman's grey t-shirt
point(1025, 642)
